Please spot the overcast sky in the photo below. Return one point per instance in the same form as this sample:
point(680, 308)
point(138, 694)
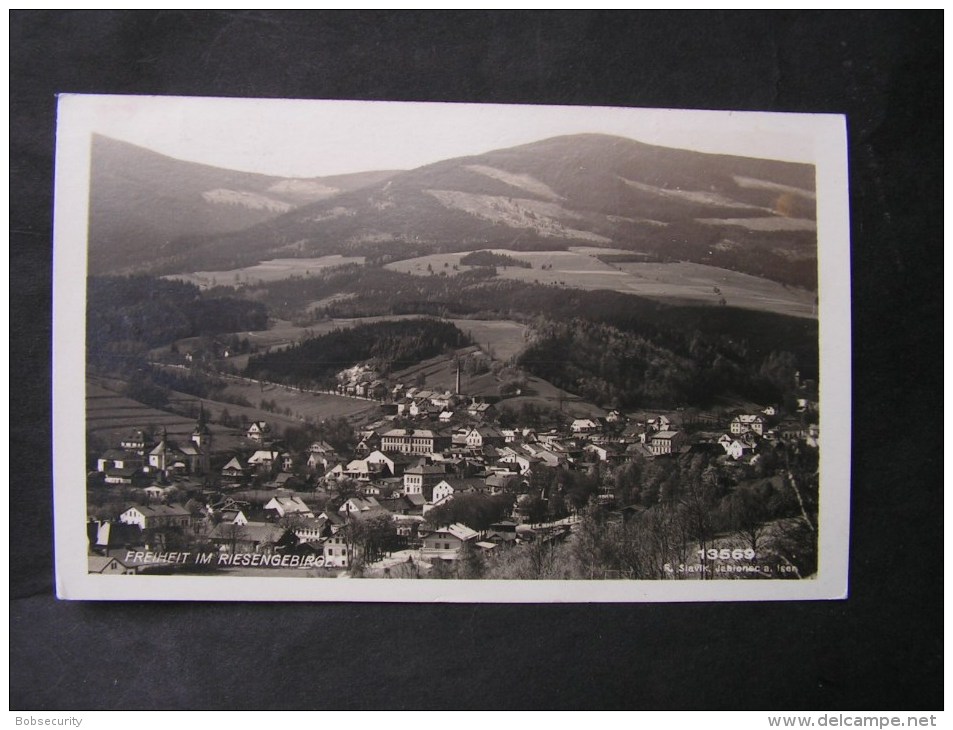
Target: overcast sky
point(315, 138)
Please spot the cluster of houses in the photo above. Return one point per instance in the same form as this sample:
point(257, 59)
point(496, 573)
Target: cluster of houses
point(140, 459)
point(398, 474)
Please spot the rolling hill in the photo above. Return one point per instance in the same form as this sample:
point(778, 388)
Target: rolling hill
point(750, 215)
point(141, 201)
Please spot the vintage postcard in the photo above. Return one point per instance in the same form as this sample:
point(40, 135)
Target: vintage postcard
point(368, 351)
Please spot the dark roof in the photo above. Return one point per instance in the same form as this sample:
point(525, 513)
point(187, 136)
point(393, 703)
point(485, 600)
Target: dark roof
point(466, 483)
point(160, 510)
point(396, 504)
point(126, 471)
point(114, 454)
point(426, 469)
point(259, 532)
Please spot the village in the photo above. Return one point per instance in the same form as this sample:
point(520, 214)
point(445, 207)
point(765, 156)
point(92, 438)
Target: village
point(432, 483)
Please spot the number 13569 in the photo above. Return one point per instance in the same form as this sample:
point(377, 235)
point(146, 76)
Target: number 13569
point(726, 554)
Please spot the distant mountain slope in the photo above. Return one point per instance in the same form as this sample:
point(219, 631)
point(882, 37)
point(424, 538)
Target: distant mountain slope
point(751, 215)
point(141, 201)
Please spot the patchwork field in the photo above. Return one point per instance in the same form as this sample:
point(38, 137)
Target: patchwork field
point(680, 282)
point(266, 271)
point(111, 416)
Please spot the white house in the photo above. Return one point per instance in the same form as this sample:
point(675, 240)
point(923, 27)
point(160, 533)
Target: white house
point(446, 542)
point(359, 506)
point(287, 506)
point(335, 551)
point(258, 431)
point(584, 425)
point(747, 422)
point(263, 458)
point(159, 515)
point(416, 478)
point(737, 449)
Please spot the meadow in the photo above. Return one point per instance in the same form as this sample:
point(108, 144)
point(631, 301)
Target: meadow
point(266, 271)
point(673, 283)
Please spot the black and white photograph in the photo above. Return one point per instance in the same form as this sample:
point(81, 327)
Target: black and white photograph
point(401, 351)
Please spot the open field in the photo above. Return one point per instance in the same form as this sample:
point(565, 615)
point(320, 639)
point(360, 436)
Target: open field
point(266, 271)
point(295, 407)
point(504, 338)
point(696, 283)
point(541, 392)
point(680, 282)
point(440, 374)
point(112, 416)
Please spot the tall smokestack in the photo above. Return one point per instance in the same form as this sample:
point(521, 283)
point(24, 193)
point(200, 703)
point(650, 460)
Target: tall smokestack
point(458, 378)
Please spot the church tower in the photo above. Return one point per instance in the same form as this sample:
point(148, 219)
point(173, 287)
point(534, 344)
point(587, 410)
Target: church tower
point(202, 438)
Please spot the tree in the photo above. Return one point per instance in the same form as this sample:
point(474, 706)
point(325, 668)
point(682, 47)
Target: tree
point(371, 538)
point(748, 513)
point(232, 534)
point(470, 564)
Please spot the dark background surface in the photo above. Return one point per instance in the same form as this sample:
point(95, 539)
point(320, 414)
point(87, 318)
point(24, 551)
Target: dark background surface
point(880, 649)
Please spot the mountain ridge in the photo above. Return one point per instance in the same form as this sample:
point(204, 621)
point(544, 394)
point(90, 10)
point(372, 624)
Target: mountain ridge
point(749, 214)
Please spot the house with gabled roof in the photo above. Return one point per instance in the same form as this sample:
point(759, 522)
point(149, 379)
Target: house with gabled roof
point(108, 565)
point(157, 515)
point(481, 436)
point(584, 426)
point(445, 543)
point(736, 448)
point(134, 441)
point(264, 459)
point(254, 537)
point(232, 515)
point(318, 461)
point(233, 471)
point(745, 422)
point(360, 506)
point(288, 506)
point(258, 431)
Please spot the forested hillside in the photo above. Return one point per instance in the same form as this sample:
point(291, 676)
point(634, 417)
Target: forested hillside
point(389, 345)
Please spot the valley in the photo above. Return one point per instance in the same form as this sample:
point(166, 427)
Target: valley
point(579, 357)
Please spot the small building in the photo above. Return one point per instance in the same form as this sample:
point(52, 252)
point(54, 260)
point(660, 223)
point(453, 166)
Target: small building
point(584, 426)
point(258, 431)
point(666, 442)
point(254, 537)
point(158, 515)
point(445, 543)
point(418, 478)
point(747, 422)
point(336, 551)
point(481, 436)
point(233, 472)
point(288, 506)
point(414, 441)
point(362, 506)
